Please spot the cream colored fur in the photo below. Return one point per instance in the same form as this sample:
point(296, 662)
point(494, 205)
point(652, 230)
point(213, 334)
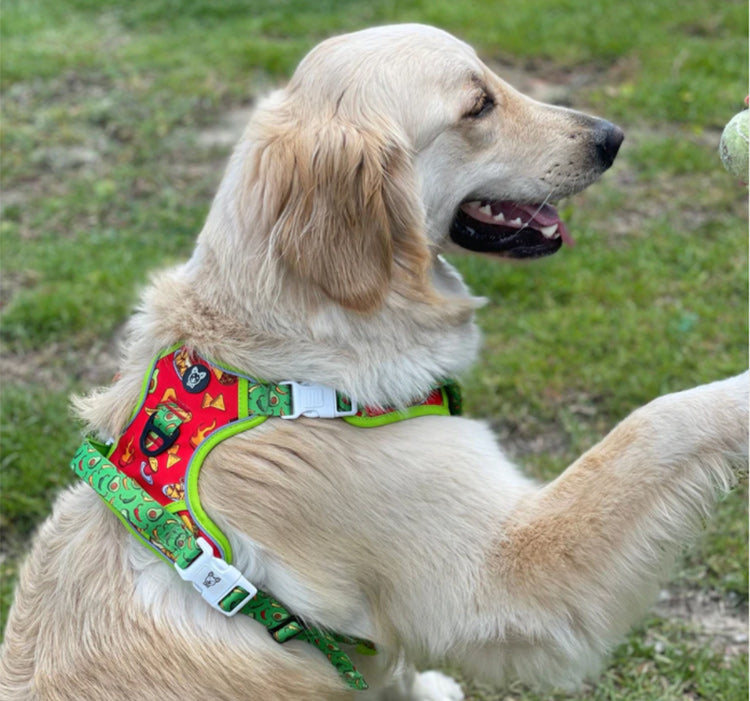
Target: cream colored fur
point(319, 261)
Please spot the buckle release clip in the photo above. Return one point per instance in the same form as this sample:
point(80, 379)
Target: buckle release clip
point(315, 401)
point(215, 578)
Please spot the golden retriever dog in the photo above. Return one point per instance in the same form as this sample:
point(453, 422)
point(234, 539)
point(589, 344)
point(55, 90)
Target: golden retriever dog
point(320, 261)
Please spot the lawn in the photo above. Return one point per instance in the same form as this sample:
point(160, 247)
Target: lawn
point(117, 119)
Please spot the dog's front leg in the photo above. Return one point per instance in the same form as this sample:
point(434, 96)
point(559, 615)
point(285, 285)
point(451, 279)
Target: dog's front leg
point(580, 559)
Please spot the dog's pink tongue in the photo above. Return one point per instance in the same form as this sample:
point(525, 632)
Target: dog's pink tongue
point(539, 216)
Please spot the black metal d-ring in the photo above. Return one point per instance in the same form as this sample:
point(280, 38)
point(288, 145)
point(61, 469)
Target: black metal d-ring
point(167, 439)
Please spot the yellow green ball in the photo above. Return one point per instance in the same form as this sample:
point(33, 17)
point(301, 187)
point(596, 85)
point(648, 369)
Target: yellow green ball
point(733, 147)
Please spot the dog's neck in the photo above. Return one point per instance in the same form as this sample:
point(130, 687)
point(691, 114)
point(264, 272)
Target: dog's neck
point(277, 335)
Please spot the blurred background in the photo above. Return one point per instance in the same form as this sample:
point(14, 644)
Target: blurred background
point(117, 119)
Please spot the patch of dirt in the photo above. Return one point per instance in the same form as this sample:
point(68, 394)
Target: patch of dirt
point(226, 132)
point(721, 623)
point(14, 280)
point(61, 158)
point(56, 366)
point(518, 444)
point(548, 83)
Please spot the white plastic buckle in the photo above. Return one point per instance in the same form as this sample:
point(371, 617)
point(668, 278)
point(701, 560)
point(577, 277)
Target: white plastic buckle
point(214, 578)
point(315, 401)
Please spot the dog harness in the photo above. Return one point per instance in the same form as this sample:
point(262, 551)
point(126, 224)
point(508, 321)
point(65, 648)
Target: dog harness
point(149, 476)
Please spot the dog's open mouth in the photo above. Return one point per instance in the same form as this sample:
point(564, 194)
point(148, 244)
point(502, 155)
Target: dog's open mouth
point(509, 229)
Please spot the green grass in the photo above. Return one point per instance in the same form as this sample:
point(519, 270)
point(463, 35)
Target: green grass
point(32, 416)
point(104, 179)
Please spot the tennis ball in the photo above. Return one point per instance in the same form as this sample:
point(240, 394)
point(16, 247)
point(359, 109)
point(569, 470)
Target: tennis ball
point(733, 147)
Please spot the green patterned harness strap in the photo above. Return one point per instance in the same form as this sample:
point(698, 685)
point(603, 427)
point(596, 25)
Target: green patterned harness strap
point(195, 562)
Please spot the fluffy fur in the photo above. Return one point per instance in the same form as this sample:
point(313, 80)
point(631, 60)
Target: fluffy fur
point(319, 261)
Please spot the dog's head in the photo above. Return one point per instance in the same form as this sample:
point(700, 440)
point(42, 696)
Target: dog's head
point(393, 144)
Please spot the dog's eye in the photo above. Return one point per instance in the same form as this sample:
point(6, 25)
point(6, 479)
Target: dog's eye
point(483, 104)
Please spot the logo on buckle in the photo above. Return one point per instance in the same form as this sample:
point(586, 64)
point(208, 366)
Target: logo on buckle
point(211, 580)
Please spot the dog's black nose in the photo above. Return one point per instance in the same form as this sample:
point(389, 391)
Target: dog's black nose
point(608, 139)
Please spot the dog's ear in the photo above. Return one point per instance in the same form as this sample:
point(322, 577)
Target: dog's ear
point(341, 200)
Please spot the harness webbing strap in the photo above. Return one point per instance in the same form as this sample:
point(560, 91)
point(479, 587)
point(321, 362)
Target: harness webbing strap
point(140, 511)
point(146, 516)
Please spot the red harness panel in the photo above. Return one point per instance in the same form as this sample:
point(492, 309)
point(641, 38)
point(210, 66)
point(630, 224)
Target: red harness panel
point(204, 398)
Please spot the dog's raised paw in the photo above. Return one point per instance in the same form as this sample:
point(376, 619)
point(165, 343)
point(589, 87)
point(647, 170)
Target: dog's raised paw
point(436, 686)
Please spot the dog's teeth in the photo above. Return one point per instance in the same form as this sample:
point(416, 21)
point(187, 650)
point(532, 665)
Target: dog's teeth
point(499, 217)
point(549, 231)
point(516, 222)
point(474, 205)
point(486, 210)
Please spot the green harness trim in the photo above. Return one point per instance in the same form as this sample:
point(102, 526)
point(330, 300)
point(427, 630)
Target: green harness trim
point(222, 585)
